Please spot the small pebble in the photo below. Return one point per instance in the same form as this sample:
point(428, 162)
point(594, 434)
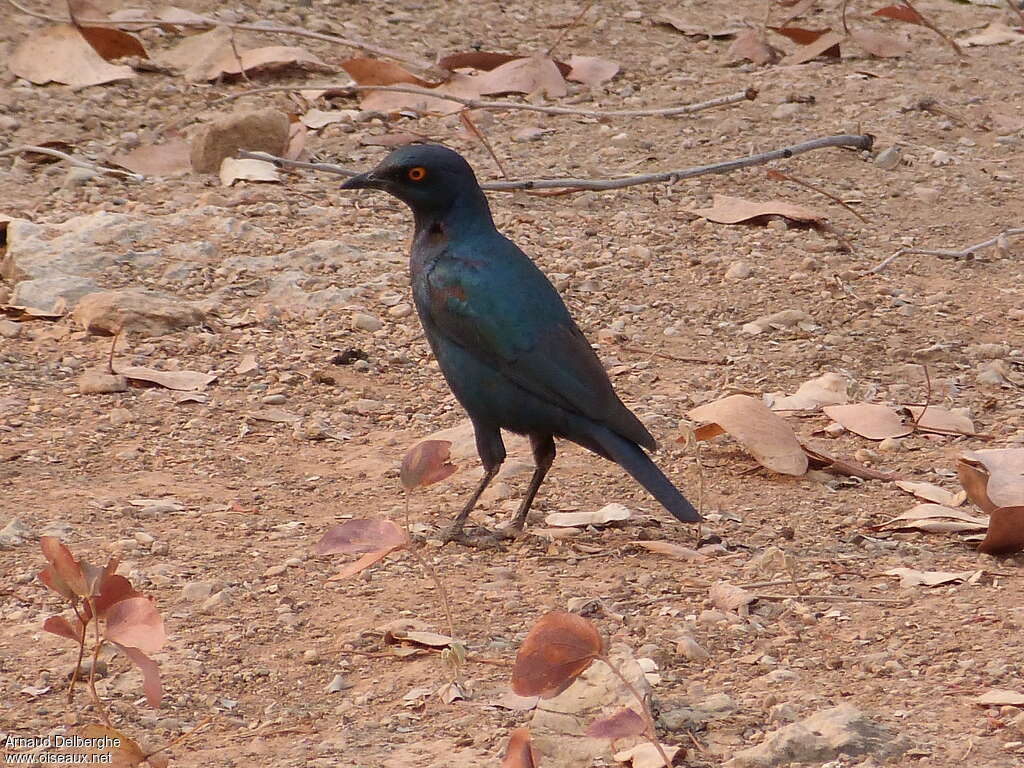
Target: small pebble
point(364, 322)
point(277, 399)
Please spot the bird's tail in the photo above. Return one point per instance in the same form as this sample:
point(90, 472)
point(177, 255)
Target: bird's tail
point(634, 460)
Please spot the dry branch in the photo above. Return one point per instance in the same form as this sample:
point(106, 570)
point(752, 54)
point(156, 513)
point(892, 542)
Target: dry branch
point(966, 253)
point(854, 141)
point(77, 162)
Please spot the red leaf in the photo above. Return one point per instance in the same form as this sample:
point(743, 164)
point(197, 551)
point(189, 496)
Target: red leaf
point(900, 13)
point(58, 625)
point(50, 578)
point(618, 726)
point(358, 536)
point(361, 564)
point(64, 566)
point(426, 463)
point(483, 60)
point(135, 622)
point(114, 589)
point(519, 752)
point(555, 652)
point(150, 673)
point(377, 72)
point(800, 35)
point(112, 43)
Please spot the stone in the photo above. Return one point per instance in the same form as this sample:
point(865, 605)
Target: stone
point(215, 601)
point(78, 177)
point(738, 270)
point(787, 110)
point(199, 590)
point(56, 294)
point(689, 648)
point(364, 322)
point(889, 158)
point(143, 312)
point(14, 534)
point(100, 381)
point(9, 329)
point(826, 735)
point(264, 130)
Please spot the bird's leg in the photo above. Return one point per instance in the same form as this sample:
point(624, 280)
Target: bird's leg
point(543, 457)
point(492, 454)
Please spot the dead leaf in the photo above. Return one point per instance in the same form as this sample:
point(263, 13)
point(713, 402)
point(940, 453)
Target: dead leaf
point(558, 648)
point(646, 755)
point(880, 44)
point(357, 536)
point(111, 43)
point(802, 36)
point(532, 74)
point(295, 146)
point(900, 13)
point(870, 420)
point(827, 45)
point(171, 158)
point(993, 478)
point(195, 56)
point(426, 463)
point(996, 33)
point(186, 381)
point(935, 518)
point(591, 70)
point(271, 57)
point(912, 577)
point(482, 60)
point(390, 140)
point(317, 118)
point(931, 492)
point(418, 637)
point(671, 549)
point(63, 574)
point(697, 25)
point(1000, 697)
point(519, 752)
point(234, 169)
point(378, 72)
point(60, 54)
point(609, 513)
point(937, 419)
point(826, 389)
point(751, 45)
point(728, 597)
point(275, 416)
point(736, 210)
point(819, 459)
point(625, 722)
point(135, 622)
point(105, 745)
point(766, 435)
point(1005, 531)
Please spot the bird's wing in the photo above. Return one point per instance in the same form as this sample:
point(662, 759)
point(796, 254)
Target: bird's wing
point(506, 312)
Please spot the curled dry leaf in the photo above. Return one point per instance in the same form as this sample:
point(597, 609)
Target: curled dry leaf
point(931, 492)
point(826, 389)
point(996, 33)
point(935, 518)
point(993, 478)
point(58, 625)
point(828, 45)
point(358, 536)
point(870, 420)
point(233, 169)
point(609, 513)
point(671, 549)
point(801, 36)
point(111, 43)
point(751, 45)
point(519, 752)
point(646, 755)
point(316, 119)
point(172, 158)
point(185, 381)
point(735, 210)
point(912, 577)
point(63, 574)
point(900, 13)
point(591, 70)
point(271, 57)
point(60, 54)
point(558, 648)
point(426, 463)
point(765, 434)
point(625, 722)
point(1005, 534)
point(697, 25)
point(729, 597)
point(934, 418)
point(417, 637)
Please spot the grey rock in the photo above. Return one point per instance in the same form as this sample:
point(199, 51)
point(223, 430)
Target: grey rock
point(365, 322)
point(338, 684)
point(56, 294)
point(199, 590)
point(14, 534)
point(144, 312)
point(9, 329)
point(99, 381)
point(78, 177)
point(826, 735)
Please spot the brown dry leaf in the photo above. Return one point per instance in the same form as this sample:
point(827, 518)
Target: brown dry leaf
point(646, 755)
point(900, 13)
point(533, 74)
point(426, 463)
point(797, 8)
point(996, 33)
point(1005, 531)
point(172, 158)
point(482, 60)
point(122, 752)
point(317, 119)
point(937, 419)
point(765, 434)
point(271, 57)
point(111, 43)
point(993, 478)
point(912, 577)
point(609, 513)
point(827, 45)
point(196, 55)
point(558, 648)
point(234, 169)
point(60, 54)
point(729, 597)
point(390, 140)
point(625, 722)
point(297, 133)
point(591, 70)
point(751, 45)
point(357, 536)
point(819, 459)
point(935, 518)
point(364, 562)
point(826, 389)
point(417, 637)
point(697, 25)
point(870, 420)
point(185, 381)
point(519, 753)
point(1000, 697)
point(377, 72)
point(880, 44)
point(671, 549)
point(736, 210)
point(931, 492)
point(801, 36)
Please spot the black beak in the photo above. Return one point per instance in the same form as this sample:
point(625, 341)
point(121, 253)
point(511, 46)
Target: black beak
point(364, 181)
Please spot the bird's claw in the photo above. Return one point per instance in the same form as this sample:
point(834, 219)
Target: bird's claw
point(483, 540)
point(510, 532)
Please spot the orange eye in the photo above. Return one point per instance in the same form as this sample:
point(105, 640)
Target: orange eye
point(419, 173)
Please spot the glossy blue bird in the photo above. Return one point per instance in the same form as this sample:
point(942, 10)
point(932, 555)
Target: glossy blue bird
point(502, 336)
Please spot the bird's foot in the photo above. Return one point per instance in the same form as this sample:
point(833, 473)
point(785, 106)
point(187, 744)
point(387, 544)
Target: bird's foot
point(510, 532)
point(485, 539)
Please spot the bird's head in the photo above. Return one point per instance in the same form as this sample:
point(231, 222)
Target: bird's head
point(428, 178)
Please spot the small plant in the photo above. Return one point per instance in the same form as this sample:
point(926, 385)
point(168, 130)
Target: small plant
point(108, 611)
point(557, 650)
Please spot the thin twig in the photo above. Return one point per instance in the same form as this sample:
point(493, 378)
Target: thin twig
point(81, 654)
point(265, 28)
point(927, 396)
point(650, 732)
point(29, 148)
point(966, 253)
point(836, 599)
point(472, 128)
point(780, 176)
point(568, 27)
point(861, 142)
point(925, 21)
point(238, 58)
point(96, 702)
point(676, 358)
point(440, 588)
